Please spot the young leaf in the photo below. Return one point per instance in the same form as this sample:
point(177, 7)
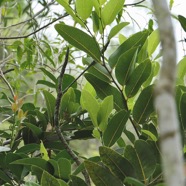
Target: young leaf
point(115, 128)
point(110, 10)
point(116, 29)
point(136, 40)
point(105, 109)
point(50, 103)
point(153, 42)
point(43, 152)
point(181, 69)
point(125, 65)
point(104, 89)
point(137, 78)
point(84, 8)
point(144, 105)
point(48, 74)
point(120, 167)
point(100, 175)
point(141, 156)
point(89, 103)
point(182, 21)
point(79, 39)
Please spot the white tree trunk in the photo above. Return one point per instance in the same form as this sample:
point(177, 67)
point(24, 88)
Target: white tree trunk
point(170, 139)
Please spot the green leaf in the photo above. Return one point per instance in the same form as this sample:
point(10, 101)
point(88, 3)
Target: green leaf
point(76, 181)
point(182, 21)
point(125, 66)
point(137, 78)
point(84, 8)
point(133, 182)
point(141, 156)
point(50, 104)
point(115, 128)
point(38, 162)
point(150, 134)
point(153, 42)
point(104, 89)
point(171, 4)
point(31, 184)
point(28, 148)
point(100, 175)
point(48, 74)
point(67, 80)
point(110, 10)
point(116, 29)
point(79, 39)
point(136, 40)
point(106, 108)
point(43, 152)
point(89, 103)
point(144, 105)
point(64, 168)
point(48, 180)
point(47, 83)
point(35, 130)
point(181, 69)
point(118, 165)
point(71, 12)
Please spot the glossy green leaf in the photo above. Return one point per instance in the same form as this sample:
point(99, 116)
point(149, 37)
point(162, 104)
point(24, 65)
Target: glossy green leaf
point(137, 78)
point(115, 128)
point(118, 165)
point(67, 80)
point(35, 130)
point(153, 42)
point(70, 11)
point(76, 181)
point(182, 110)
point(181, 69)
point(106, 108)
point(28, 148)
point(141, 156)
point(64, 168)
point(50, 104)
point(49, 180)
point(133, 182)
point(98, 70)
point(48, 74)
point(125, 65)
point(104, 89)
point(47, 83)
point(89, 103)
point(41, 163)
point(110, 10)
point(144, 105)
point(116, 29)
point(84, 8)
point(100, 175)
point(79, 39)
point(182, 21)
point(136, 40)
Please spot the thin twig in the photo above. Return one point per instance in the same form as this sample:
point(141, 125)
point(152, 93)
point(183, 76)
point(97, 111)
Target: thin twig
point(134, 4)
point(32, 33)
point(56, 120)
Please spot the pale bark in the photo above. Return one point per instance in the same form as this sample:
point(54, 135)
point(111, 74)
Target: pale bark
point(170, 139)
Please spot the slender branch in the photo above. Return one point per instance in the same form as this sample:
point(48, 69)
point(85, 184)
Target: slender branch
point(134, 4)
point(32, 33)
point(56, 119)
point(7, 83)
point(9, 70)
point(170, 138)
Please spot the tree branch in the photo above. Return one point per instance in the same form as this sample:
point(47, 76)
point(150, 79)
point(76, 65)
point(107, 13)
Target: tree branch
point(133, 4)
point(32, 33)
point(56, 119)
point(172, 159)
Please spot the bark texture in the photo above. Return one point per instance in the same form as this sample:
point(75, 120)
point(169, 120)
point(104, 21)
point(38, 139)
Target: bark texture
point(170, 139)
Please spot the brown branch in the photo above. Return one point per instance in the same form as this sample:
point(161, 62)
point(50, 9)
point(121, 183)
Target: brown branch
point(134, 4)
point(56, 120)
point(32, 33)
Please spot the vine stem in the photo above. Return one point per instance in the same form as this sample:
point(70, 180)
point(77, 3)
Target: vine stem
point(56, 120)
